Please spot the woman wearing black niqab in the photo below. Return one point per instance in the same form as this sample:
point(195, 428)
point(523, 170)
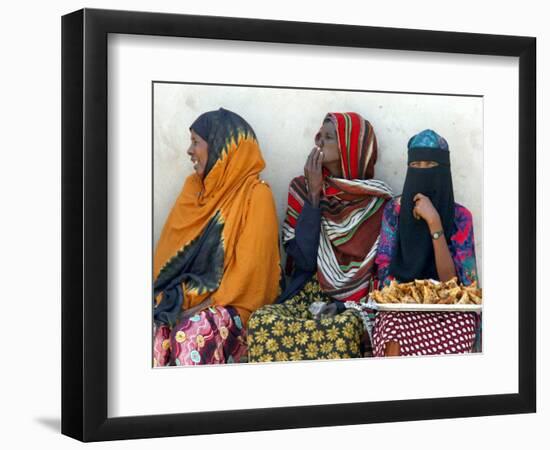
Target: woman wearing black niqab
point(427, 207)
point(426, 235)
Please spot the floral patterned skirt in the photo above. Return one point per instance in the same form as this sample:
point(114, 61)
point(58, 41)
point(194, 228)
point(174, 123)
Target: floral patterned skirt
point(288, 331)
point(212, 336)
point(425, 333)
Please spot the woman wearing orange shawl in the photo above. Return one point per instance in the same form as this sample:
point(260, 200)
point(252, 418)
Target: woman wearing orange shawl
point(217, 259)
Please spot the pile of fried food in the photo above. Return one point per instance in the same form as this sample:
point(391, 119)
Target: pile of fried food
point(429, 292)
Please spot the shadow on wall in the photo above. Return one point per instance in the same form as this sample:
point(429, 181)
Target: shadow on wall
point(52, 423)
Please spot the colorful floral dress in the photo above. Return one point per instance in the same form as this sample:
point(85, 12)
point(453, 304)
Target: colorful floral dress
point(213, 336)
point(427, 333)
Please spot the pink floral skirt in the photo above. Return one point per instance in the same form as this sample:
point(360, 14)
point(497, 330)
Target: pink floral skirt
point(213, 336)
point(426, 333)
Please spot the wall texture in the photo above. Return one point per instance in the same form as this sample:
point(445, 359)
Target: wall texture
point(286, 120)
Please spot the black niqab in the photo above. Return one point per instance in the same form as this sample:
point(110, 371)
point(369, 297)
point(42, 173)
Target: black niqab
point(414, 256)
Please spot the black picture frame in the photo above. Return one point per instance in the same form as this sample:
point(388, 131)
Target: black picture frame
point(84, 224)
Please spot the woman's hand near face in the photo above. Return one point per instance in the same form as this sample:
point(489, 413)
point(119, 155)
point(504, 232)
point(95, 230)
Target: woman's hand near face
point(424, 209)
point(314, 175)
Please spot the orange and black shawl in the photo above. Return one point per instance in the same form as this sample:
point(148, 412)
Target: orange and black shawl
point(351, 212)
point(220, 239)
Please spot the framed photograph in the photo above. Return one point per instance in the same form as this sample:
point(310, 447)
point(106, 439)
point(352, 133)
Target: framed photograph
point(270, 224)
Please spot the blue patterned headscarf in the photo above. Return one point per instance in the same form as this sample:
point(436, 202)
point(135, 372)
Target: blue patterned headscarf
point(428, 146)
point(414, 257)
point(428, 139)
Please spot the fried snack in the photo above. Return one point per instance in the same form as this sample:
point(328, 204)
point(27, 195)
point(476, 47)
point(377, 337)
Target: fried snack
point(446, 301)
point(394, 289)
point(416, 294)
point(465, 299)
point(429, 295)
point(408, 299)
point(378, 297)
point(474, 292)
point(452, 283)
point(475, 299)
point(455, 292)
point(392, 298)
point(419, 283)
point(429, 292)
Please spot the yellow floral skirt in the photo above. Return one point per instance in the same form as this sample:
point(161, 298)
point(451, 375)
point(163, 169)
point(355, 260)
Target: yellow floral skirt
point(288, 332)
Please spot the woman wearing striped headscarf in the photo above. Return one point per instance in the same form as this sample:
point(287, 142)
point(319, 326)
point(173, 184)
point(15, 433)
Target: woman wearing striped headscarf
point(330, 235)
point(220, 235)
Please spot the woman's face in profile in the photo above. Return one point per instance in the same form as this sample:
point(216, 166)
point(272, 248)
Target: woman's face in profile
point(327, 140)
point(198, 151)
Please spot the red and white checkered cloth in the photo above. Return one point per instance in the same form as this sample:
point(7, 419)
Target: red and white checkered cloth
point(425, 333)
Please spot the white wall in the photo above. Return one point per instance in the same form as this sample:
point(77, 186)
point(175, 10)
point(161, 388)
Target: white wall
point(30, 181)
point(286, 121)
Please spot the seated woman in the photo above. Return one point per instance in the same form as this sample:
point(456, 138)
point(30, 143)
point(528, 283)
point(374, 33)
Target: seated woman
point(330, 235)
point(217, 259)
point(426, 235)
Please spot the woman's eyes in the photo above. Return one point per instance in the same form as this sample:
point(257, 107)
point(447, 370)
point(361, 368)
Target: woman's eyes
point(423, 166)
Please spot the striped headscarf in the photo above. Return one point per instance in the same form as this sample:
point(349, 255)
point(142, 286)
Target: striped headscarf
point(351, 212)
